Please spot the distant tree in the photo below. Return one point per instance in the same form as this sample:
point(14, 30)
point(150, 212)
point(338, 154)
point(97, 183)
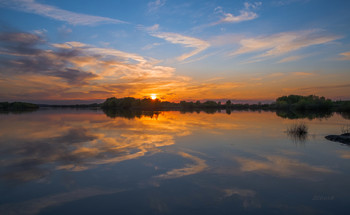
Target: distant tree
point(110, 103)
point(127, 102)
point(210, 104)
point(184, 104)
point(228, 103)
point(17, 106)
point(298, 102)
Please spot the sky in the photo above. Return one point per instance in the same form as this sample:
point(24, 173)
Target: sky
point(86, 51)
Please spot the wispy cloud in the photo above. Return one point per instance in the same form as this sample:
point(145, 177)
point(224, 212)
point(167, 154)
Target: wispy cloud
point(327, 87)
point(64, 30)
point(150, 46)
point(189, 42)
point(282, 167)
point(289, 59)
point(190, 169)
point(295, 58)
point(244, 14)
point(31, 6)
point(344, 154)
point(345, 56)
point(155, 5)
point(303, 73)
point(34, 206)
point(154, 27)
point(279, 44)
point(239, 192)
point(287, 2)
point(199, 58)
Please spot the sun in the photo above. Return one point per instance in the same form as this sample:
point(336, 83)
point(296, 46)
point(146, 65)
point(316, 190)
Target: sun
point(153, 96)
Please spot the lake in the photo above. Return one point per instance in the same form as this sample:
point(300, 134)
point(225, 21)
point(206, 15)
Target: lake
point(80, 161)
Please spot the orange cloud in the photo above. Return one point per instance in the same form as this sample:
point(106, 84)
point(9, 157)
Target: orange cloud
point(78, 71)
point(345, 56)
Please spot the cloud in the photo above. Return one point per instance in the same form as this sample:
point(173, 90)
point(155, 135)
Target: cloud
point(244, 14)
point(282, 43)
point(200, 58)
point(282, 167)
point(31, 6)
point(289, 59)
point(56, 142)
point(19, 43)
point(74, 76)
point(33, 68)
point(190, 169)
point(226, 39)
point(295, 58)
point(154, 27)
point(64, 30)
point(150, 46)
point(239, 192)
point(287, 2)
point(34, 206)
point(327, 87)
point(67, 147)
point(22, 55)
point(344, 154)
point(189, 42)
point(248, 196)
point(303, 73)
point(345, 56)
point(86, 67)
point(155, 5)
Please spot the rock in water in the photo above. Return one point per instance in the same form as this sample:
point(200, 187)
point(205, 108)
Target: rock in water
point(343, 138)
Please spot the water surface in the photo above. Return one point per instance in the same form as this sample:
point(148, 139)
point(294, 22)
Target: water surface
point(67, 161)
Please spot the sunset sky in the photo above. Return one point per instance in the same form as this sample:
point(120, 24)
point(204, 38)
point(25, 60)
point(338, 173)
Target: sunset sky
point(85, 51)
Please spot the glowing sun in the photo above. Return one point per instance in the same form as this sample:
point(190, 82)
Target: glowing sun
point(153, 96)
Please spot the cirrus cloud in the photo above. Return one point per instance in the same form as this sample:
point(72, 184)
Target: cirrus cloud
point(282, 43)
point(31, 6)
point(189, 42)
point(244, 14)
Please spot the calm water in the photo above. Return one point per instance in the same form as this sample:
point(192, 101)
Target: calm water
point(85, 162)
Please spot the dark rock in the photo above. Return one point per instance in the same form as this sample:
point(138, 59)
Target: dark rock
point(343, 138)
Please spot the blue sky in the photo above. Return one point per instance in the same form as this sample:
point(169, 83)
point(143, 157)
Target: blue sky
point(179, 50)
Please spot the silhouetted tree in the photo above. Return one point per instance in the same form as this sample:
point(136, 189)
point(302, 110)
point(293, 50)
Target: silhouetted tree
point(17, 106)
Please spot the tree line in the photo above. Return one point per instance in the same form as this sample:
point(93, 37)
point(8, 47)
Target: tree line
point(291, 102)
point(286, 103)
point(17, 106)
